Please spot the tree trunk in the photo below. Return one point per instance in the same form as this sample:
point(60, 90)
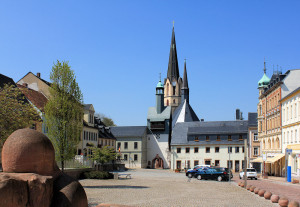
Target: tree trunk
point(62, 165)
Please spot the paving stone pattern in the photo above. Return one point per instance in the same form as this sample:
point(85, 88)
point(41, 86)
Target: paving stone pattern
point(277, 186)
point(165, 188)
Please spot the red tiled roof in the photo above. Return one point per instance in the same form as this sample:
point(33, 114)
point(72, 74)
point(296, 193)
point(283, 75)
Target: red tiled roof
point(35, 97)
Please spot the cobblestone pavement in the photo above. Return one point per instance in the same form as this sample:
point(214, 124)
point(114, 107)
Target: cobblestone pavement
point(165, 188)
point(276, 185)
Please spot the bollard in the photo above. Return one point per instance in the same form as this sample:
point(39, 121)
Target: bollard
point(289, 173)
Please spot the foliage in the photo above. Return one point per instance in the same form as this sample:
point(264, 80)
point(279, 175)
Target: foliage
point(15, 112)
point(105, 119)
point(64, 112)
point(103, 155)
point(98, 175)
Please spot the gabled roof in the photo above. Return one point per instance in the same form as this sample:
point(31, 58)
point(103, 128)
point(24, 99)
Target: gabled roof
point(182, 130)
point(173, 70)
point(104, 131)
point(88, 107)
point(48, 83)
point(128, 131)
point(35, 97)
point(184, 113)
point(6, 80)
point(154, 116)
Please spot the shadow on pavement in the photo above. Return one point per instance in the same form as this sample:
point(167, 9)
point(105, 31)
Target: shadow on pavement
point(117, 186)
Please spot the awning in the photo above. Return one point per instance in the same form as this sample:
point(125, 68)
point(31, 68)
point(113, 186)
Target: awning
point(269, 159)
point(294, 147)
point(259, 159)
point(274, 159)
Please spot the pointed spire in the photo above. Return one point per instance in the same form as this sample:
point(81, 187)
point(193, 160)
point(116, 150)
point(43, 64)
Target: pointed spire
point(185, 84)
point(173, 70)
point(265, 70)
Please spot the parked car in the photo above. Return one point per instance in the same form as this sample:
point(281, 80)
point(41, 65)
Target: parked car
point(251, 173)
point(191, 172)
point(218, 174)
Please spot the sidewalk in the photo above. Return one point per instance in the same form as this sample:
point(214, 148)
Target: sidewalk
point(276, 185)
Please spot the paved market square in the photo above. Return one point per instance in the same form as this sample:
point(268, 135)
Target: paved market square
point(150, 187)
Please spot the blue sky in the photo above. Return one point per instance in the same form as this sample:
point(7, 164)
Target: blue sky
point(118, 48)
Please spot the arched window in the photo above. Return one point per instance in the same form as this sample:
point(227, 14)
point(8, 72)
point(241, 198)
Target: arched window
point(174, 101)
point(269, 144)
point(167, 102)
point(167, 89)
point(277, 143)
point(264, 144)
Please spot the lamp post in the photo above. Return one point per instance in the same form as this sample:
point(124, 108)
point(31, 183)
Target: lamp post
point(229, 165)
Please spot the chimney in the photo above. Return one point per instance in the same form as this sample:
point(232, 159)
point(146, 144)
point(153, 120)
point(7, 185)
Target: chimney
point(237, 114)
point(38, 75)
point(202, 120)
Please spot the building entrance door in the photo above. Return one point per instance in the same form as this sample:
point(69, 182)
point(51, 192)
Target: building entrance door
point(178, 164)
point(237, 166)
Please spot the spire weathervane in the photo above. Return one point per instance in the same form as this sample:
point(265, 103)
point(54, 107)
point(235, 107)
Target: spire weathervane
point(160, 77)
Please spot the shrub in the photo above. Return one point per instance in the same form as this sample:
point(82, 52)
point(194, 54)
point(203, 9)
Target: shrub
point(98, 175)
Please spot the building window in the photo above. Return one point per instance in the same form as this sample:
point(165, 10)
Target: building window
point(255, 137)
point(240, 137)
point(229, 164)
point(229, 138)
point(119, 145)
point(125, 145)
point(135, 145)
point(237, 149)
point(207, 149)
point(217, 163)
point(255, 151)
point(218, 138)
point(196, 149)
point(174, 101)
point(196, 162)
point(207, 162)
point(135, 157)
point(188, 164)
point(187, 150)
point(207, 138)
point(167, 102)
point(217, 149)
point(178, 150)
point(125, 157)
point(243, 149)
point(196, 139)
point(229, 149)
point(112, 143)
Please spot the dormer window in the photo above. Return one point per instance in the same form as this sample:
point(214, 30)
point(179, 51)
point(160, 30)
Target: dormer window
point(196, 139)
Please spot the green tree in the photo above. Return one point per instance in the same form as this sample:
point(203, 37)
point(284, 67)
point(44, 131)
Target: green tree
point(103, 155)
point(15, 112)
point(64, 112)
point(105, 119)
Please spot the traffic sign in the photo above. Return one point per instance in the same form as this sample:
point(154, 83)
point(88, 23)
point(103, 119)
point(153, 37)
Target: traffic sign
point(289, 151)
point(264, 155)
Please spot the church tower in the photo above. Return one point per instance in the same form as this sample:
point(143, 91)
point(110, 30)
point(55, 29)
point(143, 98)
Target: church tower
point(185, 86)
point(173, 82)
